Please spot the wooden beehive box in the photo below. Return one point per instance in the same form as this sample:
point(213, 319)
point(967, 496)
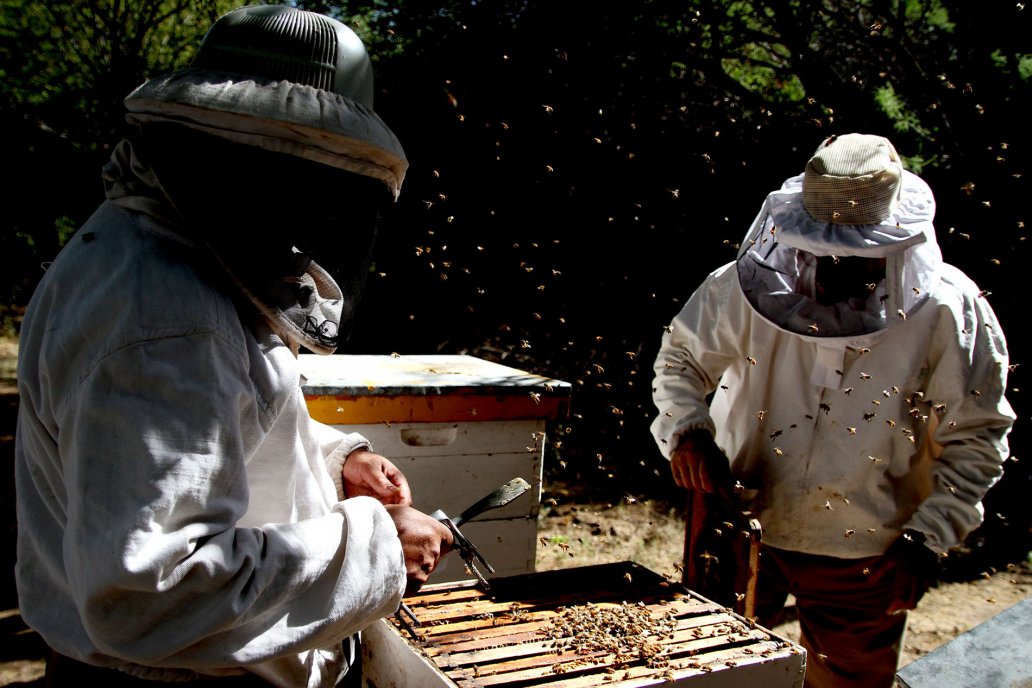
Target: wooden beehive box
point(458, 427)
point(606, 625)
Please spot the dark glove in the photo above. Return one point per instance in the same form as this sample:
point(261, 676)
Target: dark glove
point(917, 570)
point(699, 464)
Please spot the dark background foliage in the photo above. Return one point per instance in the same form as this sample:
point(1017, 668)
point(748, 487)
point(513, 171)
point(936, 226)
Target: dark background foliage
point(576, 170)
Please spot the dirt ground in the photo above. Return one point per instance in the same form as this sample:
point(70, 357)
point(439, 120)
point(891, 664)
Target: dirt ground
point(572, 533)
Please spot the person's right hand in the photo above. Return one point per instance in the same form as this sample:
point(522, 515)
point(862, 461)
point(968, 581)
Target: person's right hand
point(424, 540)
point(699, 464)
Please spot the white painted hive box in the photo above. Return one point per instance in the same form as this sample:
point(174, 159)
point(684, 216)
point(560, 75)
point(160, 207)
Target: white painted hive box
point(458, 427)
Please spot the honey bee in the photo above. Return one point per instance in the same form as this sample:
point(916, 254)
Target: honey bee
point(865, 376)
point(852, 431)
point(813, 328)
point(752, 361)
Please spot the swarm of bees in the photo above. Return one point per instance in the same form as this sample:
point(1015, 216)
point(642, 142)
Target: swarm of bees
point(627, 630)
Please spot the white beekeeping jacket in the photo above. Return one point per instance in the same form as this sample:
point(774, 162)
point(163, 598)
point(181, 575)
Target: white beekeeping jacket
point(846, 422)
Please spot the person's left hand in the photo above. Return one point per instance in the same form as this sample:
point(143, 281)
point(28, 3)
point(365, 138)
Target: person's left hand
point(368, 474)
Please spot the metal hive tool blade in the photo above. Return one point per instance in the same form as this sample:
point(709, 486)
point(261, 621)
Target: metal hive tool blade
point(500, 497)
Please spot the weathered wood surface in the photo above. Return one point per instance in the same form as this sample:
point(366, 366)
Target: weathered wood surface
point(506, 636)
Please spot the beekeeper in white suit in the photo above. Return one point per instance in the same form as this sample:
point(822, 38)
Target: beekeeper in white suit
point(180, 515)
point(857, 387)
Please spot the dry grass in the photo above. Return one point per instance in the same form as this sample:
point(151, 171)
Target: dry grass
point(8, 364)
point(649, 533)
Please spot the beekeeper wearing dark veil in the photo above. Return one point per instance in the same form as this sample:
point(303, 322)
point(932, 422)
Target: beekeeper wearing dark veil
point(852, 384)
point(180, 515)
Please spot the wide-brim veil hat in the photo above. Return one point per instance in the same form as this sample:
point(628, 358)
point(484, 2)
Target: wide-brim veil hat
point(285, 80)
point(853, 199)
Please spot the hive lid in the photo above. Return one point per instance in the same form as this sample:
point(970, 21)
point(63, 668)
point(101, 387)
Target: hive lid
point(422, 388)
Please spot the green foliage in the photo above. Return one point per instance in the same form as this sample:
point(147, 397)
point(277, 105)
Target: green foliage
point(70, 63)
point(903, 119)
point(65, 227)
point(764, 81)
point(1025, 67)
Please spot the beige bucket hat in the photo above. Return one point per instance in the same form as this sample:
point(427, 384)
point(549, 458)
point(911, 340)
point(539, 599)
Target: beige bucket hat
point(853, 179)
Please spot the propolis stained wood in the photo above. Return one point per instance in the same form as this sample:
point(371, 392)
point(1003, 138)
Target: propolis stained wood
point(614, 624)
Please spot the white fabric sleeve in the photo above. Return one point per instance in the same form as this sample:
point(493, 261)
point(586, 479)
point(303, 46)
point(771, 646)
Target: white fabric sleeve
point(336, 447)
point(698, 346)
point(160, 574)
point(967, 383)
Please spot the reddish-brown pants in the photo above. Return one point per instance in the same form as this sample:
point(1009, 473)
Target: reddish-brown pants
point(849, 639)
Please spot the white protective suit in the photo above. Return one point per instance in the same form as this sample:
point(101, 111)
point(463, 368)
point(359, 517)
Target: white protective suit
point(177, 506)
point(825, 412)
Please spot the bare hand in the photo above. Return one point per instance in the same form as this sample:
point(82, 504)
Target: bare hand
point(368, 474)
point(699, 464)
point(424, 541)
